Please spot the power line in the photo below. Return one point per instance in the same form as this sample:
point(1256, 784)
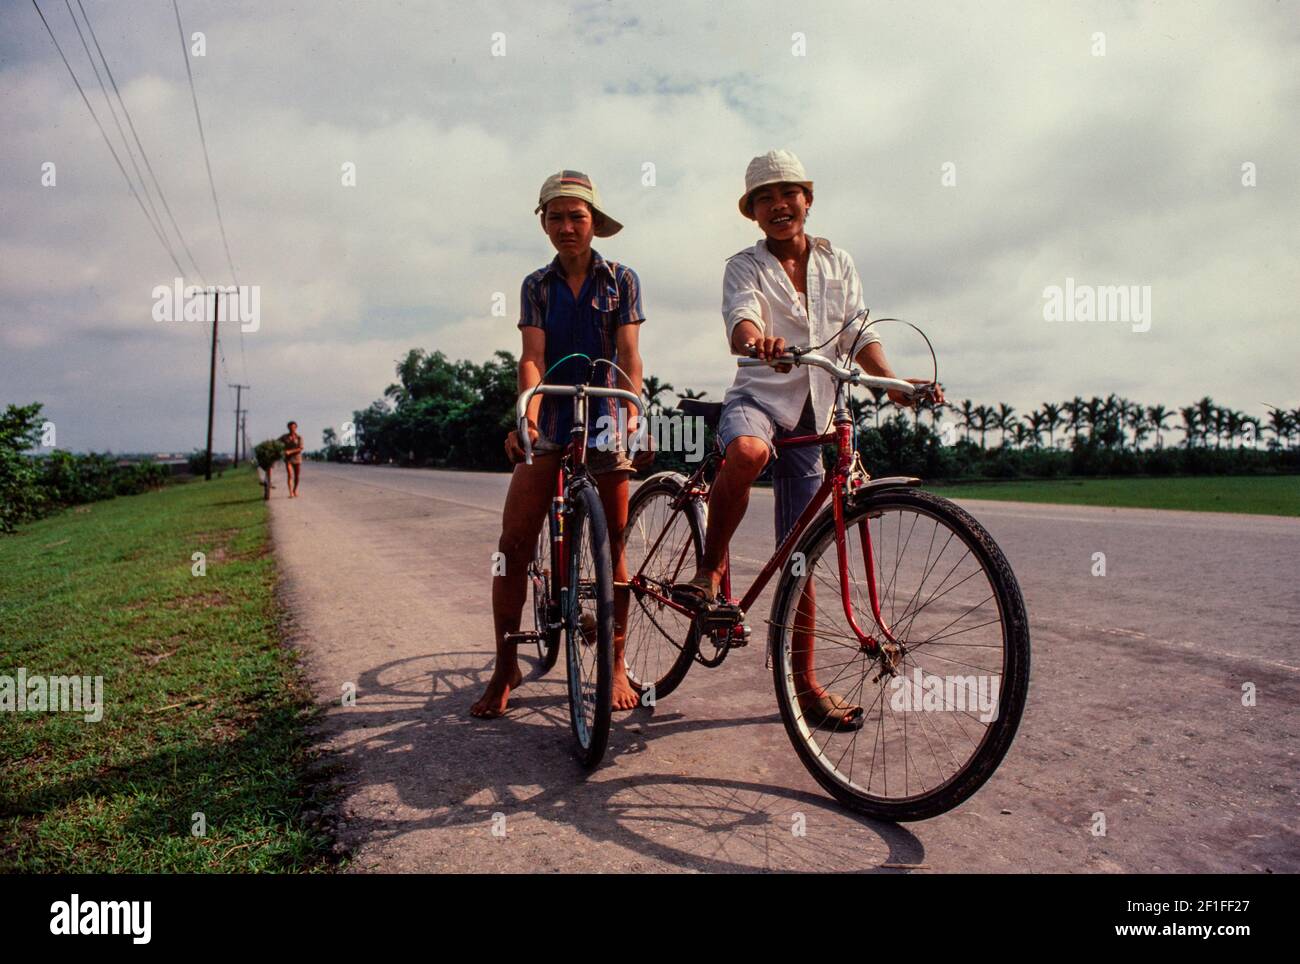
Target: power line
point(104, 134)
point(207, 163)
point(143, 154)
point(130, 156)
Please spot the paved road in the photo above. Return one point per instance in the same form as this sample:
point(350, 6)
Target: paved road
point(1135, 705)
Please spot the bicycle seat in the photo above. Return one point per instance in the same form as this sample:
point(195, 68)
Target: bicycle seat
point(711, 412)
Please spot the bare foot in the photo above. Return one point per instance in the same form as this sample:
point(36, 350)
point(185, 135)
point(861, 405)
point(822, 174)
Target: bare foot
point(492, 703)
point(625, 697)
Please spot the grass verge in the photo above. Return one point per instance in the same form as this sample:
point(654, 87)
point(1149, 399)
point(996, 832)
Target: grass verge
point(1253, 494)
point(204, 710)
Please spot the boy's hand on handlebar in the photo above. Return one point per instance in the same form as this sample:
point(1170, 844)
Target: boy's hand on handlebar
point(934, 392)
point(768, 349)
point(515, 448)
point(640, 443)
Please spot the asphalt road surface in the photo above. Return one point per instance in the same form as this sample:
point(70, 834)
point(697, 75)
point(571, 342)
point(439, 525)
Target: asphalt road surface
point(1135, 705)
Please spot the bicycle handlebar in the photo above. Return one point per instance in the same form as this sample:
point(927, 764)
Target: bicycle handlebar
point(521, 406)
point(853, 376)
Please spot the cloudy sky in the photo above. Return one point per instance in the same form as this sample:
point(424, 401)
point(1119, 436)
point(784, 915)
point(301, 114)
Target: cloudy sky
point(1118, 169)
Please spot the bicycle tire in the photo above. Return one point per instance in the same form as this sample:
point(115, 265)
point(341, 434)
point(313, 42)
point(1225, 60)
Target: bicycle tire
point(589, 650)
point(544, 608)
point(815, 747)
point(651, 625)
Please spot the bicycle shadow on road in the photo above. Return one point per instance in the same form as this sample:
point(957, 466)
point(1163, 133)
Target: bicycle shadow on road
point(427, 774)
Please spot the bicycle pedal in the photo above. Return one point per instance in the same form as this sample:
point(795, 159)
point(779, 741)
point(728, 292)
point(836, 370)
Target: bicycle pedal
point(526, 638)
point(722, 616)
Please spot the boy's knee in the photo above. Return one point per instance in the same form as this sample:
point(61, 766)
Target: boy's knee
point(747, 455)
point(514, 544)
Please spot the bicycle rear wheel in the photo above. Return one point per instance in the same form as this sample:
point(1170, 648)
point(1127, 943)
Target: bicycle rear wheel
point(662, 546)
point(934, 731)
point(587, 604)
point(544, 611)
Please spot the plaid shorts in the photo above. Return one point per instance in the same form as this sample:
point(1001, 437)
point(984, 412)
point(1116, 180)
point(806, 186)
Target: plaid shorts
point(599, 460)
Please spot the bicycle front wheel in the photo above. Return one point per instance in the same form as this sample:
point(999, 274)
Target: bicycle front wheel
point(587, 603)
point(933, 730)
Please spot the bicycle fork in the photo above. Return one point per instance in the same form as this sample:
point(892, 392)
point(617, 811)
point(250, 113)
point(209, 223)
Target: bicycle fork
point(890, 651)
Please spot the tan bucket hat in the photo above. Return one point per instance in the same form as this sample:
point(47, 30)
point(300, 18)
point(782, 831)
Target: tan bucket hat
point(576, 184)
point(774, 167)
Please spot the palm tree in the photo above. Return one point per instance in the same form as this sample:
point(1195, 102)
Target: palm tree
point(1279, 423)
point(1232, 424)
point(690, 393)
point(1003, 420)
point(967, 412)
point(652, 388)
point(1094, 412)
point(1205, 417)
point(983, 421)
point(1191, 424)
point(1136, 417)
point(1157, 415)
point(1076, 408)
point(1051, 419)
point(1036, 421)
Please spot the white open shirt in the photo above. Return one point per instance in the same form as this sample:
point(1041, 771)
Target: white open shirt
point(756, 288)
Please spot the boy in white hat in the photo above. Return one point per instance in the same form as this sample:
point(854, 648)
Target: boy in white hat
point(788, 289)
point(580, 302)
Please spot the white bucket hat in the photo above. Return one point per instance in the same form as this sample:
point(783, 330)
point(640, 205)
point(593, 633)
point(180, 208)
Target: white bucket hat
point(774, 167)
point(576, 184)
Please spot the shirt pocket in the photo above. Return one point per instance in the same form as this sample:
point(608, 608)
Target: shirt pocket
point(833, 302)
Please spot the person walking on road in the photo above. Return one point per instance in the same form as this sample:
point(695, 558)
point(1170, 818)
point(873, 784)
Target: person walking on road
point(292, 442)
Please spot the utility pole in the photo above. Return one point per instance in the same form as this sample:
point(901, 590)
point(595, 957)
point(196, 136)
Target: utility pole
point(212, 382)
point(243, 428)
point(238, 398)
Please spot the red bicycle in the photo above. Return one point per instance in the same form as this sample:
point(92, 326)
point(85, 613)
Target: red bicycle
point(893, 595)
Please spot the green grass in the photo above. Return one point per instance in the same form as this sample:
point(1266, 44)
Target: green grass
point(1255, 494)
point(205, 710)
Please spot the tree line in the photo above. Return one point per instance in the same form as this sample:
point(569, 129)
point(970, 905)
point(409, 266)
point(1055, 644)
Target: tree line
point(455, 414)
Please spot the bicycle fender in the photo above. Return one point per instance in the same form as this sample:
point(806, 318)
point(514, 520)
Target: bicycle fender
point(872, 486)
point(671, 476)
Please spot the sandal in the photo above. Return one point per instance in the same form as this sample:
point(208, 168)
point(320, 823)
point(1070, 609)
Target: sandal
point(827, 708)
point(697, 595)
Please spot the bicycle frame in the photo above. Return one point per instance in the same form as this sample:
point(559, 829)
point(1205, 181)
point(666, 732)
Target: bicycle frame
point(572, 462)
point(838, 485)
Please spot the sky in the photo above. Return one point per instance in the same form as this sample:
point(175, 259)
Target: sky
point(969, 156)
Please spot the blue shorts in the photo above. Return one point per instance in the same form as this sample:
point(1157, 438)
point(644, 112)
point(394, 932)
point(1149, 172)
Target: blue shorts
point(797, 473)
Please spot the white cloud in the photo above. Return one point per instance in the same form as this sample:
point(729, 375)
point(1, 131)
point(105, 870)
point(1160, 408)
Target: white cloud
point(1116, 169)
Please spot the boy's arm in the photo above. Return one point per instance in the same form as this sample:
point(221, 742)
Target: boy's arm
point(532, 364)
point(629, 359)
point(743, 311)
